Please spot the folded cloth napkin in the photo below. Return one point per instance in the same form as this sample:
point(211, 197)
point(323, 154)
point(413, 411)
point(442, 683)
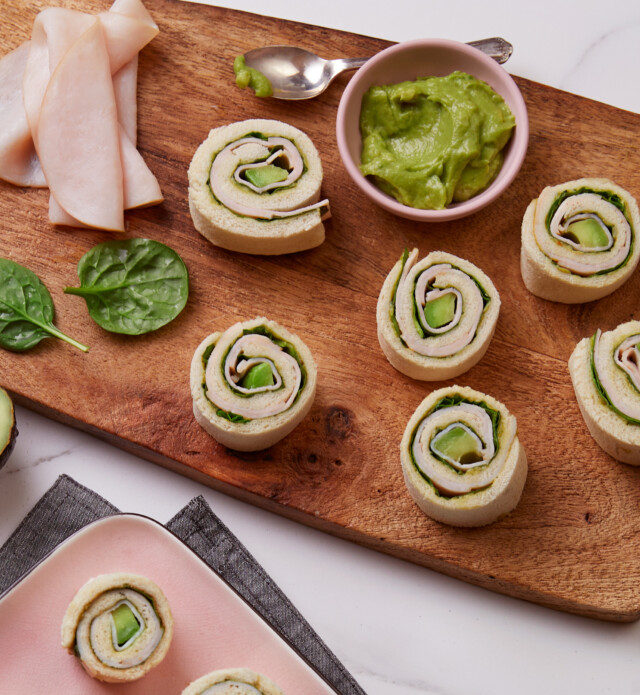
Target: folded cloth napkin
point(68, 506)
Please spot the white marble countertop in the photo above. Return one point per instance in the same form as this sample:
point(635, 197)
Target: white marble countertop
point(399, 629)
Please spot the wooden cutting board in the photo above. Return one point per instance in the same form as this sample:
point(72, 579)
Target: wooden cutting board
point(573, 543)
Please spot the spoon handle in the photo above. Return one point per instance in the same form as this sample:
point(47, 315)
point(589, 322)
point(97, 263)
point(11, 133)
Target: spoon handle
point(497, 48)
point(339, 65)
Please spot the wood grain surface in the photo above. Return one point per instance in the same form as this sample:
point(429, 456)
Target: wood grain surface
point(573, 543)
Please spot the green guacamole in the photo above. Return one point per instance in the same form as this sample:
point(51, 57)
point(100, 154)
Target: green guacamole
point(434, 141)
point(252, 78)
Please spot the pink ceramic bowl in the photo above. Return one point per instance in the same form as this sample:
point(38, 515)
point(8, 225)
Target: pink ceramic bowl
point(424, 58)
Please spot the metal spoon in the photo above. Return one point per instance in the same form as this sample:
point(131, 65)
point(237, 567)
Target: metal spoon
point(295, 73)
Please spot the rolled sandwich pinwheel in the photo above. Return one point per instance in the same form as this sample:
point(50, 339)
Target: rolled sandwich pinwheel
point(436, 317)
point(233, 681)
point(579, 241)
point(119, 626)
point(461, 458)
point(254, 187)
point(605, 372)
point(252, 385)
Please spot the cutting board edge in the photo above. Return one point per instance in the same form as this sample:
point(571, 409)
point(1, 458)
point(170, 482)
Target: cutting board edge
point(624, 614)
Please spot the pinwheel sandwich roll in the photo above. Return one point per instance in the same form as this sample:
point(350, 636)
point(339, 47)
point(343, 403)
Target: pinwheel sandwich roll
point(462, 461)
point(579, 241)
point(233, 681)
point(252, 385)
point(436, 316)
point(605, 372)
point(119, 625)
point(254, 187)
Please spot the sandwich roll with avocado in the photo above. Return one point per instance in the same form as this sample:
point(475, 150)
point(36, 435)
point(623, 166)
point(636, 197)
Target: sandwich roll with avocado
point(119, 625)
point(232, 681)
point(579, 241)
point(253, 384)
point(436, 316)
point(254, 187)
point(605, 372)
point(462, 461)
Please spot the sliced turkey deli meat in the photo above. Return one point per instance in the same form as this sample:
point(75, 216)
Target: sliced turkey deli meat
point(462, 461)
point(436, 316)
point(72, 99)
point(81, 156)
point(233, 681)
point(605, 371)
point(252, 385)
point(579, 241)
point(18, 159)
point(125, 87)
point(119, 625)
point(254, 187)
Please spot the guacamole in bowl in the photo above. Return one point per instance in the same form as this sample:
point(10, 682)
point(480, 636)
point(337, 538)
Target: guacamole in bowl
point(433, 141)
point(439, 141)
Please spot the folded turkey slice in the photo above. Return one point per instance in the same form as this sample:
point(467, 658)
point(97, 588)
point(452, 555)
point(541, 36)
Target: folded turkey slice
point(80, 155)
point(18, 159)
point(140, 186)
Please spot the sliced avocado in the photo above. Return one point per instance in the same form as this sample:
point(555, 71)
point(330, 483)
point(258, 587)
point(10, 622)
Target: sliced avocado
point(263, 176)
point(439, 312)
point(457, 444)
point(126, 623)
point(259, 375)
point(8, 429)
point(588, 233)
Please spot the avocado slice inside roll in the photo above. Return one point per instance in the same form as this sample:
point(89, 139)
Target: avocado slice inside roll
point(125, 624)
point(589, 232)
point(457, 444)
point(258, 376)
point(265, 175)
point(440, 311)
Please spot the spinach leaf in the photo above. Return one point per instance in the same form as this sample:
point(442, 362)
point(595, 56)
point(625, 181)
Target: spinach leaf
point(26, 309)
point(132, 286)
point(232, 417)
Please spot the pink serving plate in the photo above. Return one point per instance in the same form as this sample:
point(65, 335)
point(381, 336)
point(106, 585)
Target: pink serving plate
point(214, 627)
